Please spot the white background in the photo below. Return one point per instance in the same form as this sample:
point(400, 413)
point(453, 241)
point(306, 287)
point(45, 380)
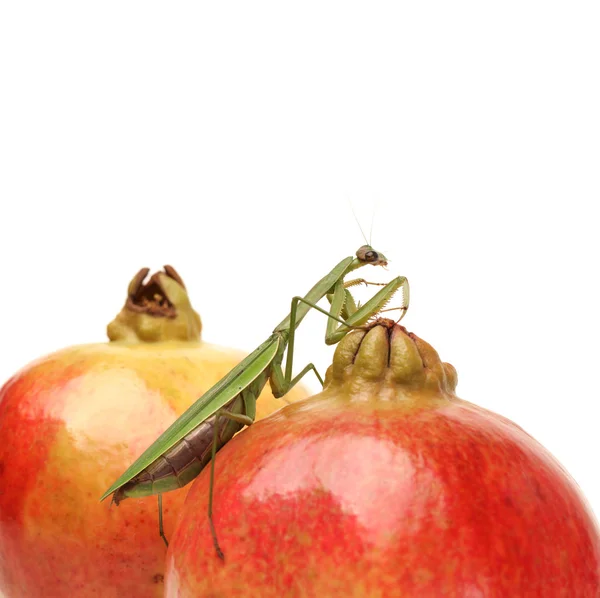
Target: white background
point(230, 140)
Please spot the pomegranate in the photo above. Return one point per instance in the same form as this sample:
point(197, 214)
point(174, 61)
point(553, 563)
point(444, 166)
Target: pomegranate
point(71, 423)
point(386, 484)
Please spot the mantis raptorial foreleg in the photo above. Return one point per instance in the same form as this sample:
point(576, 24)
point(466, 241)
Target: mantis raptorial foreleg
point(350, 306)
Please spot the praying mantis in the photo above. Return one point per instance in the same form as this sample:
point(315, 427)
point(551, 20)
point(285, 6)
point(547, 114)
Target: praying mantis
point(194, 439)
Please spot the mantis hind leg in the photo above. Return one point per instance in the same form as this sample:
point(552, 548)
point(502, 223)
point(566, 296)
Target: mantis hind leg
point(211, 488)
point(239, 418)
point(161, 529)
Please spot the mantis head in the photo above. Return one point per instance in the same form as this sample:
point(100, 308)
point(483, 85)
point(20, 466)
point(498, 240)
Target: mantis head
point(368, 255)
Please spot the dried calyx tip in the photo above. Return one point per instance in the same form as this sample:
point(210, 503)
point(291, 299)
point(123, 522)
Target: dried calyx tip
point(151, 297)
point(156, 310)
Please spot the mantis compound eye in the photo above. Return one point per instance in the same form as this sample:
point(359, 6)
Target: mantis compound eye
point(367, 254)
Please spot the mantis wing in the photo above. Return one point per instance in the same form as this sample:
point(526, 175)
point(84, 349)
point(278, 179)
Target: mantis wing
point(239, 378)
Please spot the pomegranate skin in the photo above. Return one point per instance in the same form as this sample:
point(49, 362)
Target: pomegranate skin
point(361, 492)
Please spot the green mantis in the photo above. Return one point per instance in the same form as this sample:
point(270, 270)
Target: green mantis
point(186, 447)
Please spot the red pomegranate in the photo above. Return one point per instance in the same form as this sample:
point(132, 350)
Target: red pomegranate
point(386, 484)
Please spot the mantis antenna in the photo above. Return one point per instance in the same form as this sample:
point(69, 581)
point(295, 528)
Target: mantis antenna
point(357, 222)
point(372, 221)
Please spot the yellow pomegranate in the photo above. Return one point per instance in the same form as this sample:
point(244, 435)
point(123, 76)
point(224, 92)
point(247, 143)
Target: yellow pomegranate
point(71, 423)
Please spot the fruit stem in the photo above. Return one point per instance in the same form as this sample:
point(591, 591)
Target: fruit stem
point(156, 311)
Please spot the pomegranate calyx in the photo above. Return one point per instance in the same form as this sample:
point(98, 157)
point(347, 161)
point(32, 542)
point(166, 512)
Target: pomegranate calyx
point(386, 354)
point(156, 310)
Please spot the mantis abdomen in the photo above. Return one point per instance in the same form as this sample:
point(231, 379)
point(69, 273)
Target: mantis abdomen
point(180, 464)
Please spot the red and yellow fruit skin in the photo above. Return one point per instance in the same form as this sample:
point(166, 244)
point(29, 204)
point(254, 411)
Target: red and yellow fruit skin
point(377, 488)
point(70, 424)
